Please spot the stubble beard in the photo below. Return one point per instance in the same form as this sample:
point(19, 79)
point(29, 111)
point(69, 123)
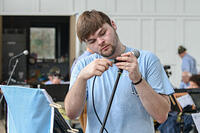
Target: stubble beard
point(110, 53)
point(113, 47)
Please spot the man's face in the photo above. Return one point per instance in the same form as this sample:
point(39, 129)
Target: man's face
point(181, 55)
point(56, 80)
point(185, 77)
point(103, 41)
point(50, 77)
point(193, 85)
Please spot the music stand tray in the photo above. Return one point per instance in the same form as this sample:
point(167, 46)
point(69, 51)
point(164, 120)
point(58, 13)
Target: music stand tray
point(196, 99)
point(56, 91)
point(195, 95)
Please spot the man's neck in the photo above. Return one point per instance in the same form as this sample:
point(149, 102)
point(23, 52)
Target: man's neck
point(120, 49)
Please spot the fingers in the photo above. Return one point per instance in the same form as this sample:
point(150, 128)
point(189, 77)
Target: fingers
point(99, 66)
point(127, 57)
point(126, 66)
point(127, 61)
point(100, 69)
point(127, 54)
point(103, 62)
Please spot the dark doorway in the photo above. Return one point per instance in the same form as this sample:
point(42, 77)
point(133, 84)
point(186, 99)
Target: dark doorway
point(18, 35)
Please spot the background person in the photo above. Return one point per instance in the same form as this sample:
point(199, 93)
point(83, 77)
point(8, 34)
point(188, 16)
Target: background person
point(188, 62)
point(185, 80)
point(54, 76)
point(194, 81)
point(56, 79)
point(173, 125)
point(131, 111)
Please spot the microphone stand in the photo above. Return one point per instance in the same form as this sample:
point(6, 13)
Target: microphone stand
point(11, 74)
point(110, 101)
point(9, 79)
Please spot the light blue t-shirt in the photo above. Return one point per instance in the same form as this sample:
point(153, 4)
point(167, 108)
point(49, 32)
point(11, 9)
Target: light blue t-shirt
point(127, 114)
point(50, 82)
point(184, 85)
point(85, 54)
point(189, 64)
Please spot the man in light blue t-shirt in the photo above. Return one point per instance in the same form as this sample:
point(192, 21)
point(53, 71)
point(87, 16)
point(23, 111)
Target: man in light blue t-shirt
point(142, 91)
point(188, 62)
point(188, 65)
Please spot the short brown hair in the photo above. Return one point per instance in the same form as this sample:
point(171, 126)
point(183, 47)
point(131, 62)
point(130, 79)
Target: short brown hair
point(196, 79)
point(181, 49)
point(89, 22)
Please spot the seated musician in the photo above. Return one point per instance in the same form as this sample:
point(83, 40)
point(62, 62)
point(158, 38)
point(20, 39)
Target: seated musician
point(185, 80)
point(194, 82)
point(174, 121)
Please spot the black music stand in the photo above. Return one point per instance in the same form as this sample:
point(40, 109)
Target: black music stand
point(56, 91)
point(60, 125)
point(196, 99)
point(195, 95)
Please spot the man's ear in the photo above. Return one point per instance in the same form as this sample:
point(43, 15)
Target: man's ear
point(113, 25)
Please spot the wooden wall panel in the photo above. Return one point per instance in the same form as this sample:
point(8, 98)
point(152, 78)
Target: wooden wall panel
point(62, 6)
point(166, 6)
point(192, 39)
point(20, 6)
point(129, 31)
point(128, 6)
point(72, 46)
point(147, 35)
point(192, 6)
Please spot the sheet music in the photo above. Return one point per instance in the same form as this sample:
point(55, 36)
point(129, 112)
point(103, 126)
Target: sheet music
point(196, 119)
point(185, 100)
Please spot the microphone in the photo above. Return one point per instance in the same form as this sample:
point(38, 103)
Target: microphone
point(25, 52)
point(135, 52)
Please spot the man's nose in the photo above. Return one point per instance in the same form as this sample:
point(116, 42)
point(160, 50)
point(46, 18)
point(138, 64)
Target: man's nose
point(100, 41)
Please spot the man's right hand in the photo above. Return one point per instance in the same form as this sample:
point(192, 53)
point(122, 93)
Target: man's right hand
point(95, 68)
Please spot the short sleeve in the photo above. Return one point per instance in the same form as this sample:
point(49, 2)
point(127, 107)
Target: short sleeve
point(157, 77)
point(75, 72)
